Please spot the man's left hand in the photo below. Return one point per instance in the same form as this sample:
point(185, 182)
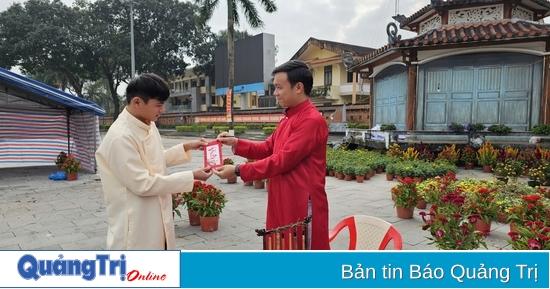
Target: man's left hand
point(195, 145)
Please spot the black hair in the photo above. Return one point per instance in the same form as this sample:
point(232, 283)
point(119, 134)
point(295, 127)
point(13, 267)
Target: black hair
point(296, 71)
point(147, 86)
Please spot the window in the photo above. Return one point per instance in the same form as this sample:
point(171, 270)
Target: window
point(328, 75)
point(202, 82)
point(253, 100)
point(203, 99)
point(214, 99)
point(350, 77)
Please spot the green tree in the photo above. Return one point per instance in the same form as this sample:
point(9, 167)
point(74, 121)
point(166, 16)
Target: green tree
point(206, 10)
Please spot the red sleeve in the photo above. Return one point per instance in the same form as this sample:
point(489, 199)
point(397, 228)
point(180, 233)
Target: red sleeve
point(299, 144)
point(254, 150)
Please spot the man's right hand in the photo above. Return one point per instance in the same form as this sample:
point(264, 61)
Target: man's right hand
point(202, 173)
point(227, 139)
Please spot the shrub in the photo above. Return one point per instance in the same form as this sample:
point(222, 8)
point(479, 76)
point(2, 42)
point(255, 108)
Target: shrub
point(268, 130)
point(388, 127)
point(191, 128)
point(239, 129)
point(541, 129)
point(220, 128)
point(499, 128)
point(363, 126)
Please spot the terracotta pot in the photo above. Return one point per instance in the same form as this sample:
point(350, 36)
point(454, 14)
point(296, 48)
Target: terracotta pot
point(259, 184)
point(389, 177)
point(367, 176)
point(421, 205)
point(194, 218)
point(340, 176)
point(232, 180)
point(502, 218)
point(487, 169)
point(248, 184)
point(379, 170)
point(483, 227)
point(348, 177)
point(399, 178)
point(469, 166)
point(404, 213)
point(72, 176)
point(359, 179)
point(512, 227)
point(209, 224)
point(331, 173)
point(418, 179)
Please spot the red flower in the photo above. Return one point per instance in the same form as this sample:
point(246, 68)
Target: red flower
point(533, 245)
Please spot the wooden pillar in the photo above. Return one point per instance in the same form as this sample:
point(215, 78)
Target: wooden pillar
point(545, 101)
point(371, 101)
point(411, 96)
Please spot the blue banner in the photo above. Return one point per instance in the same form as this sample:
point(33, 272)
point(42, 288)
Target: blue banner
point(365, 269)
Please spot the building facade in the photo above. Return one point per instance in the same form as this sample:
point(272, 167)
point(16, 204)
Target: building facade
point(472, 61)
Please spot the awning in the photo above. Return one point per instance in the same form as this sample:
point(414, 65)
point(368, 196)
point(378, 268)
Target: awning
point(27, 88)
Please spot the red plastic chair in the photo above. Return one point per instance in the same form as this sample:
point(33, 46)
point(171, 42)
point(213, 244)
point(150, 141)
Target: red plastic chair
point(368, 233)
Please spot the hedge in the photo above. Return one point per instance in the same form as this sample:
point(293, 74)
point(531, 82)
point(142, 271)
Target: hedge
point(268, 130)
point(191, 128)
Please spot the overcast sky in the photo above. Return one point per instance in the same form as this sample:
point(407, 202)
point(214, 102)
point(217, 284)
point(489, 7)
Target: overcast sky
point(359, 22)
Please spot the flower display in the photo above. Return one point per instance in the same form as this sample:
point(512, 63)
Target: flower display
point(468, 155)
point(510, 168)
point(450, 154)
point(534, 235)
point(177, 201)
point(61, 157)
point(405, 194)
point(209, 201)
point(451, 228)
point(228, 161)
point(71, 164)
point(487, 154)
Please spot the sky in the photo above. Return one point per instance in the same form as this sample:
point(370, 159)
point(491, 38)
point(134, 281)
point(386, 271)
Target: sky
point(358, 22)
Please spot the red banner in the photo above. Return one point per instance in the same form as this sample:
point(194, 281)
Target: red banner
point(249, 118)
point(228, 101)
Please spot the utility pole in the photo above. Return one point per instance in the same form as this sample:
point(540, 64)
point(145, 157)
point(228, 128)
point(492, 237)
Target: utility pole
point(131, 3)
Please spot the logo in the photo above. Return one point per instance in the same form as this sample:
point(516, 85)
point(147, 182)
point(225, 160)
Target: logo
point(31, 268)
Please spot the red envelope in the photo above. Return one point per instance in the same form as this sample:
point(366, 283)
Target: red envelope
point(213, 154)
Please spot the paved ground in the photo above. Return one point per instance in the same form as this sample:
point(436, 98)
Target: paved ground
point(37, 213)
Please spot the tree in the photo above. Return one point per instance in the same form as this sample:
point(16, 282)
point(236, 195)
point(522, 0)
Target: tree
point(206, 10)
point(41, 38)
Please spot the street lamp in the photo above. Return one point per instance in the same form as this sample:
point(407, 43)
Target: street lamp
point(131, 3)
point(191, 120)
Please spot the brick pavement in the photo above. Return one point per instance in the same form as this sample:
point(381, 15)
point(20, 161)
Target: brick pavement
point(39, 214)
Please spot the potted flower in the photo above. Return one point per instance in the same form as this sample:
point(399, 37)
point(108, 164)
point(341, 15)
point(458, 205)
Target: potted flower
point(487, 156)
point(360, 171)
point(405, 198)
point(537, 174)
point(469, 157)
point(509, 169)
point(229, 161)
point(192, 206)
point(72, 167)
point(482, 202)
point(209, 203)
point(452, 228)
point(61, 157)
point(177, 201)
point(532, 207)
point(450, 154)
point(475, 127)
point(388, 127)
point(456, 127)
point(534, 235)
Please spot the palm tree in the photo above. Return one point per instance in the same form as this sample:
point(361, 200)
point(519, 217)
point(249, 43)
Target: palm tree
point(206, 10)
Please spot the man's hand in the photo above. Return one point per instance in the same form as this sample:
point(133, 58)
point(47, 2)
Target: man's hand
point(195, 145)
point(225, 172)
point(227, 139)
point(202, 173)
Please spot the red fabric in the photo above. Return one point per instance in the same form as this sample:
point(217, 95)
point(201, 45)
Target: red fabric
point(294, 160)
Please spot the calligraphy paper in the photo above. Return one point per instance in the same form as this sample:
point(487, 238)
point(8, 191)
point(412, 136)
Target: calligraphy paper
point(213, 154)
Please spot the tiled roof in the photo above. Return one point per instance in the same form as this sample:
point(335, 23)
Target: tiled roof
point(453, 3)
point(489, 31)
point(332, 46)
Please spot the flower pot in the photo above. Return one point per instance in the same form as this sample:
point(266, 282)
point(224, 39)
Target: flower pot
point(421, 205)
point(379, 170)
point(533, 183)
point(469, 166)
point(359, 179)
point(340, 176)
point(209, 224)
point(502, 218)
point(512, 227)
point(72, 176)
point(487, 169)
point(483, 227)
point(389, 177)
point(404, 213)
point(367, 176)
point(418, 179)
point(399, 178)
point(194, 218)
point(331, 173)
point(232, 180)
point(348, 177)
point(259, 184)
point(248, 184)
